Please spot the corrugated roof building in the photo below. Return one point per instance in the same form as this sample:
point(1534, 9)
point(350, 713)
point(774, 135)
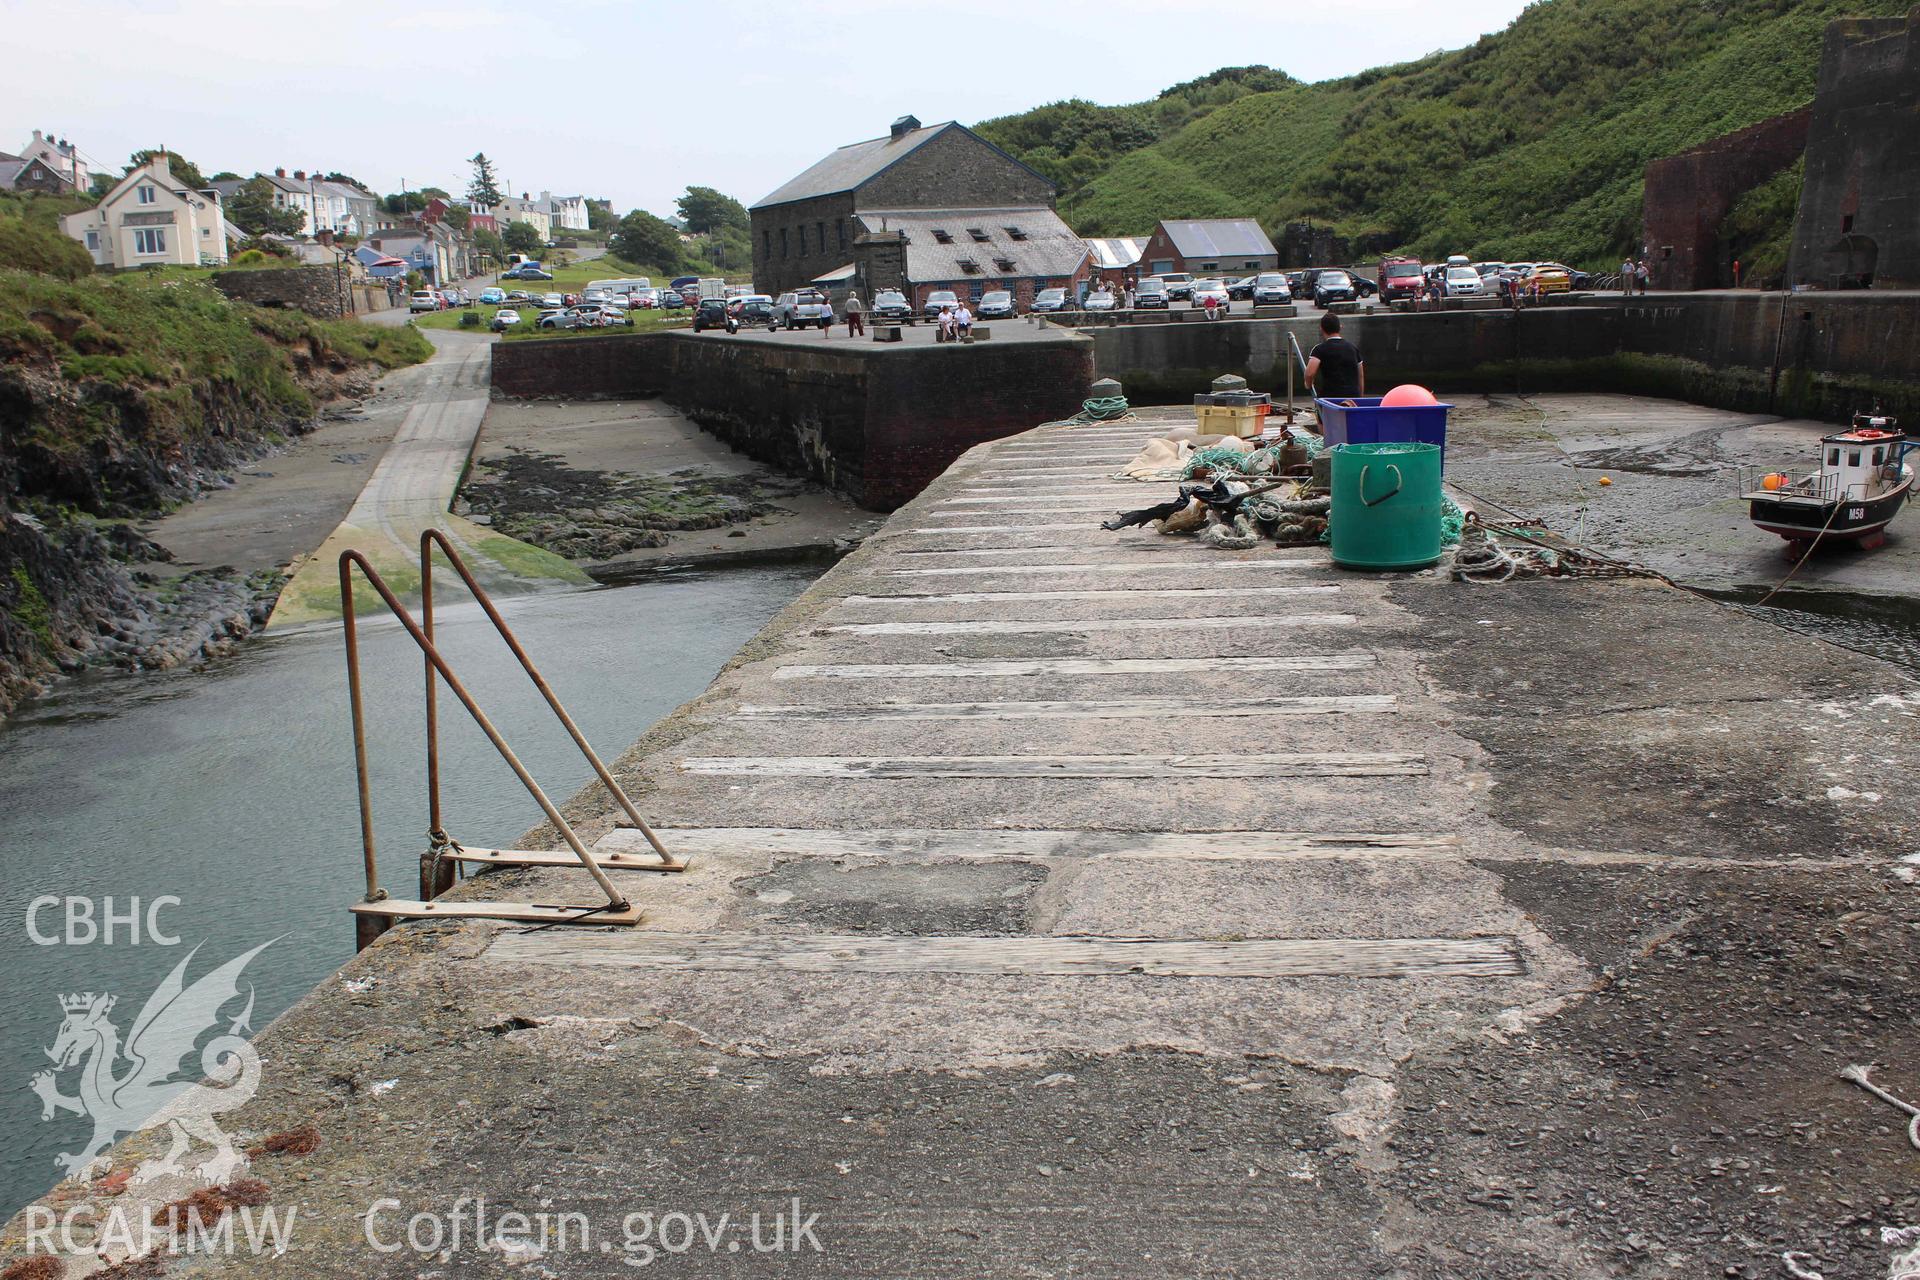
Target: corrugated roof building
point(1209, 247)
point(926, 207)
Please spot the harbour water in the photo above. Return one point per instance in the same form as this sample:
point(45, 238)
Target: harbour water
point(232, 790)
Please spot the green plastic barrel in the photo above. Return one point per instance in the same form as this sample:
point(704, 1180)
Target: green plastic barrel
point(1386, 506)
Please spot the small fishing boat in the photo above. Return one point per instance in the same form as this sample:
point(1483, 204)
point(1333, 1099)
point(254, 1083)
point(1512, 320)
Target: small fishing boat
point(1863, 479)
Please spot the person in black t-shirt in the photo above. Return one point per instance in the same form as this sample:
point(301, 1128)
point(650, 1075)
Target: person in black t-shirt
point(1335, 370)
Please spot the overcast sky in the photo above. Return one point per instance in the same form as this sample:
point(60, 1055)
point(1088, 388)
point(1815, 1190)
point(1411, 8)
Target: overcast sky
point(634, 99)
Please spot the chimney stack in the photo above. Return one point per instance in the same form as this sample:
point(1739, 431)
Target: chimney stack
point(279, 173)
point(299, 175)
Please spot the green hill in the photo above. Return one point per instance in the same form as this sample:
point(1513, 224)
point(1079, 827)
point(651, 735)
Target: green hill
point(1529, 143)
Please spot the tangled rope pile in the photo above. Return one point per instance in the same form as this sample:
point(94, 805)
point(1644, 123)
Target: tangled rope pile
point(1102, 409)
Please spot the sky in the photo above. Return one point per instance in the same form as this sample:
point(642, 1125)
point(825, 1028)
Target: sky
point(633, 101)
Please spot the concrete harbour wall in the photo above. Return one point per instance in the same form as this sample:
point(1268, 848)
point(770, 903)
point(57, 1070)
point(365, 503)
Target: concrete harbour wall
point(878, 423)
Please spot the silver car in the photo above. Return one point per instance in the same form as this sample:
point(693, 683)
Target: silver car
point(1271, 288)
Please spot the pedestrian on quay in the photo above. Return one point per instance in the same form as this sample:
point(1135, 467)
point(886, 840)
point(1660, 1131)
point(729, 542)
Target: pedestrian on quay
point(1626, 276)
point(826, 322)
point(1736, 273)
point(1640, 275)
point(1334, 368)
point(943, 327)
point(856, 316)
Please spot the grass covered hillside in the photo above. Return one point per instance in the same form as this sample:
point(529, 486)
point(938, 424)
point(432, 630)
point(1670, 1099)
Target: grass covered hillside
point(1529, 143)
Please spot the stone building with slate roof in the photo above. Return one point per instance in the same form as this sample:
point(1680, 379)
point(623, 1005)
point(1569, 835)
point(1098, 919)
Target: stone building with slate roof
point(924, 208)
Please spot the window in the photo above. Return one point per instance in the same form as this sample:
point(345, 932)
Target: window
point(1209, 266)
point(766, 243)
point(144, 193)
point(1846, 223)
point(969, 266)
point(1015, 233)
point(843, 235)
point(93, 240)
point(1879, 456)
point(979, 236)
point(1853, 457)
point(1003, 264)
point(149, 240)
point(944, 237)
point(1833, 457)
point(1251, 266)
point(820, 235)
point(783, 242)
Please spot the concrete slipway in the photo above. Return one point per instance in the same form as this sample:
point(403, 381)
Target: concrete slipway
point(1077, 903)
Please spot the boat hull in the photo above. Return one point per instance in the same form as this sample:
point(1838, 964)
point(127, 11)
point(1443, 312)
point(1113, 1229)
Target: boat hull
point(1821, 522)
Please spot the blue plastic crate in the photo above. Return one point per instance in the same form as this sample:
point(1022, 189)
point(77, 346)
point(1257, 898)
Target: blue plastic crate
point(1363, 421)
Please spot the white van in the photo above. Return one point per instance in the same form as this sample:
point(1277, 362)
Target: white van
point(622, 287)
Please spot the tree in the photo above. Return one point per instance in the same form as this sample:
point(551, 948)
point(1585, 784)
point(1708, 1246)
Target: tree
point(185, 170)
point(601, 218)
point(459, 216)
point(704, 209)
point(520, 237)
point(490, 243)
point(404, 202)
point(645, 240)
point(251, 208)
point(484, 190)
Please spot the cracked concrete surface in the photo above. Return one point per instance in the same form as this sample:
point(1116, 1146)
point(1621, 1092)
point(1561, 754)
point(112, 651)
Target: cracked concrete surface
point(1633, 786)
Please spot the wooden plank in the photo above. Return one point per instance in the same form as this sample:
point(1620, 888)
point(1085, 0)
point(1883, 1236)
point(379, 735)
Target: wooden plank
point(1018, 668)
point(898, 842)
point(1185, 707)
point(1024, 956)
point(1070, 626)
point(1122, 593)
point(1165, 768)
point(1126, 566)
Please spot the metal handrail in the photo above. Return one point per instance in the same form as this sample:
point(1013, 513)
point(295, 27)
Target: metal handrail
point(437, 664)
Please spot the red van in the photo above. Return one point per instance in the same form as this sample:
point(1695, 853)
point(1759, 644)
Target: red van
point(1401, 279)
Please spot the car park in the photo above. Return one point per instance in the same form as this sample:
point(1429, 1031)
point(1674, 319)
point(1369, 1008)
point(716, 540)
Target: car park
point(1463, 281)
point(1048, 300)
point(1201, 290)
point(1149, 295)
point(891, 304)
point(1271, 288)
point(712, 314)
point(504, 319)
point(802, 309)
point(937, 301)
point(423, 300)
point(1333, 285)
point(995, 304)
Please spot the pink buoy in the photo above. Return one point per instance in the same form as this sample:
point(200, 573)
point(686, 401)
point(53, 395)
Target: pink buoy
point(1406, 396)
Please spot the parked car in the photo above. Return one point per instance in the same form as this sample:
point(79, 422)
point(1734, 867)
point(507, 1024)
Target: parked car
point(1487, 269)
point(1215, 289)
point(1547, 277)
point(518, 295)
point(1269, 288)
point(680, 284)
point(712, 314)
point(1575, 279)
point(1101, 299)
point(1465, 282)
point(1150, 295)
point(802, 309)
point(1333, 285)
point(939, 300)
point(1241, 290)
point(1050, 300)
point(552, 301)
point(1179, 284)
point(526, 271)
point(639, 298)
point(995, 304)
point(562, 319)
point(1297, 281)
point(670, 300)
point(754, 309)
point(891, 304)
point(423, 300)
point(492, 296)
point(1361, 285)
point(504, 319)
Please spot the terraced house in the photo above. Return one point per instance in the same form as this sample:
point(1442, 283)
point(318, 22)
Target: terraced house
point(150, 219)
point(924, 208)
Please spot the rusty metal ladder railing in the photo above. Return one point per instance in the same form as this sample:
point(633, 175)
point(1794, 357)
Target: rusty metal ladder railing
point(378, 910)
